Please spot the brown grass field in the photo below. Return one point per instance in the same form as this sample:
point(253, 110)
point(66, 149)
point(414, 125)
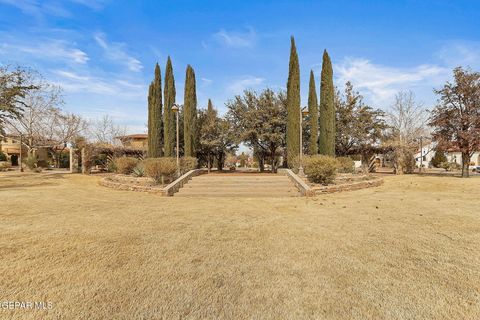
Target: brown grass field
point(409, 249)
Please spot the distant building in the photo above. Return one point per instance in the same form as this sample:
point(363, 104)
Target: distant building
point(135, 141)
point(456, 156)
point(10, 146)
point(453, 155)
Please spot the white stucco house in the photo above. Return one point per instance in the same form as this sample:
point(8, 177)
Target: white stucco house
point(428, 152)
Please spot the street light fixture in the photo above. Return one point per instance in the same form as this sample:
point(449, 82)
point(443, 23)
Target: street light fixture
point(176, 109)
point(303, 113)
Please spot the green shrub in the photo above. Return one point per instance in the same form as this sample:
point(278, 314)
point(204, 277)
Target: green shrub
point(111, 166)
point(3, 156)
point(5, 166)
point(345, 165)
point(160, 168)
point(31, 162)
point(438, 159)
point(125, 165)
point(187, 164)
point(139, 170)
point(449, 166)
point(320, 168)
point(294, 163)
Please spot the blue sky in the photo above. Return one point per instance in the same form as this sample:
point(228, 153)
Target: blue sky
point(102, 52)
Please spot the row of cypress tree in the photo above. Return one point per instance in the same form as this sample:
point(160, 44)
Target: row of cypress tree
point(161, 118)
point(322, 118)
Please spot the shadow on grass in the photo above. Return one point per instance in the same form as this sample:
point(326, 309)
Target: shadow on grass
point(15, 181)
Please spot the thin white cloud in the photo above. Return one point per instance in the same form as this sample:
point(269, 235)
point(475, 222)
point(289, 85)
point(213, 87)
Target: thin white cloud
point(38, 8)
point(206, 82)
point(381, 83)
point(460, 53)
point(48, 50)
point(92, 4)
point(82, 83)
point(117, 53)
point(236, 39)
point(247, 82)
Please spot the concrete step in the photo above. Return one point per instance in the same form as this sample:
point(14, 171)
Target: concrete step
point(236, 195)
point(211, 185)
point(238, 190)
point(241, 179)
point(236, 183)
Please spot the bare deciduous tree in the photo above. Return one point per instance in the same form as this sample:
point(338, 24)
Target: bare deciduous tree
point(408, 122)
point(43, 124)
point(106, 131)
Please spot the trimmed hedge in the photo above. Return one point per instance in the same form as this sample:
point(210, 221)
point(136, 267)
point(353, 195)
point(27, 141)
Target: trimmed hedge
point(187, 164)
point(320, 168)
point(160, 168)
point(345, 165)
point(125, 165)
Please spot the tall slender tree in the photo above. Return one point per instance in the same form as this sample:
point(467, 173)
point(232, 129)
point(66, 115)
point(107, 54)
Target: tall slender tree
point(190, 113)
point(293, 105)
point(313, 116)
point(327, 109)
point(168, 115)
point(155, 134)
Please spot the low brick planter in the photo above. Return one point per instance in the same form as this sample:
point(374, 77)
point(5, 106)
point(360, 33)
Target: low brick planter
point(374, 182)
point(123, 182)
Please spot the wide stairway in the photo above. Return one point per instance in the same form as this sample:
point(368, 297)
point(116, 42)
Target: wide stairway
point(239, 185)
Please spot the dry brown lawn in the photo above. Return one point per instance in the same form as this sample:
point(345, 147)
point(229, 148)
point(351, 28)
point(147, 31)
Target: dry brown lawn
point(409, 249)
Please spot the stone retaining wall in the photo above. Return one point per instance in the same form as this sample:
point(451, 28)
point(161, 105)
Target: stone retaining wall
point(120, 182)
point(348, 186)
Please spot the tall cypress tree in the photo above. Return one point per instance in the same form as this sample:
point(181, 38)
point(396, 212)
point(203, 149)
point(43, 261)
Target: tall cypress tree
point(190, 113)
point(168, 115)
point(293, 106)
point(313, 116)
point(155, 133)
point(327, 109)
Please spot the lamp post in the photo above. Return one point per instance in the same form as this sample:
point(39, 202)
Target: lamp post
point(303, 113)
point(176, 109)
point(20, 155)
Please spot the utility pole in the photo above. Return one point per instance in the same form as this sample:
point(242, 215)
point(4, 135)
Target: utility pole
point(421, 153)
point(20, 155)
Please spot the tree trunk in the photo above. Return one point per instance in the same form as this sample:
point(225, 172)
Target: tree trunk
point(209, 163)
point(261, 164)
point(220, 161)
point(465, 164)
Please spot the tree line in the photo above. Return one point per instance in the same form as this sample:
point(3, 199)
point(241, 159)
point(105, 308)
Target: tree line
point(336, 124)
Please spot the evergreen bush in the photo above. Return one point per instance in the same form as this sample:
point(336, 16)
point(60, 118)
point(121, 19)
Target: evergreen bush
point(3, 156)
point(125, 165)
point(139, 170)
point(31, 162)
point(438, 159)
point(160, 168)
point(345, 165)
point(321, 168)
point(187, 164)
point(5, 166)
